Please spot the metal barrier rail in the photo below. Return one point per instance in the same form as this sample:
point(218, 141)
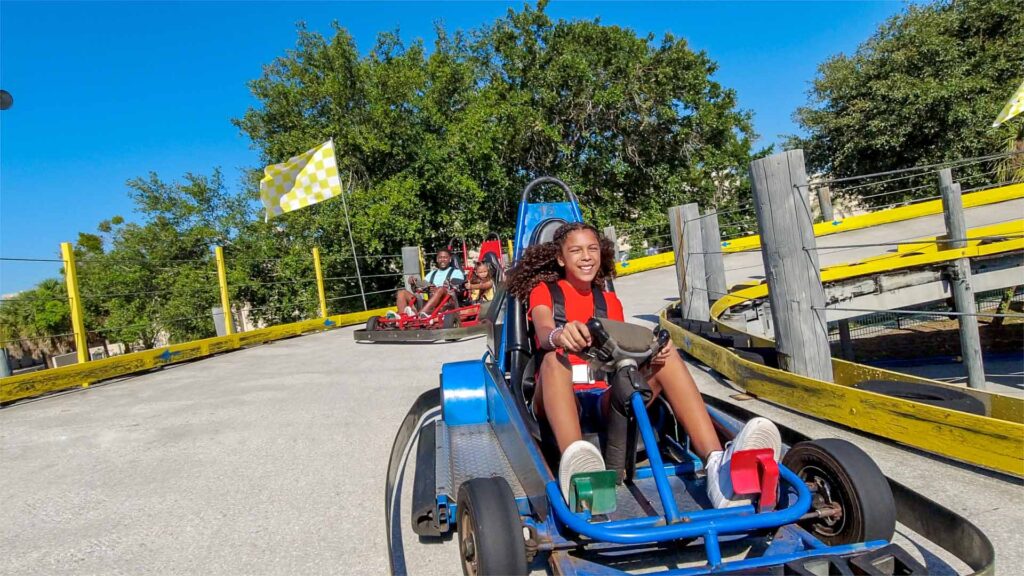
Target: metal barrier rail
point(995, 441)
point(745, 243)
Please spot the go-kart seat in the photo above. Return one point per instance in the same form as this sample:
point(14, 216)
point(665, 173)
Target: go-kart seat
point(546, 231)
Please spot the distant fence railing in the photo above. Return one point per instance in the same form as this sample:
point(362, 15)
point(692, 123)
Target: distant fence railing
point(845, 204)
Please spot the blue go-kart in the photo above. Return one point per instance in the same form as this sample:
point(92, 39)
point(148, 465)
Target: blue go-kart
point(486, 468)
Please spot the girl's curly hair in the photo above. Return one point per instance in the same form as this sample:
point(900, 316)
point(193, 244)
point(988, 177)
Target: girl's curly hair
point(540, 263)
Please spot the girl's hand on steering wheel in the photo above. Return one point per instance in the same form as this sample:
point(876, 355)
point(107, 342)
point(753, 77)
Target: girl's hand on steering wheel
point(662, 355)
point(575, 336)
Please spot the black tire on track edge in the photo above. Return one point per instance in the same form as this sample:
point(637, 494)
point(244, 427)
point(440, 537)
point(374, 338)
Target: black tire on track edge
point(855, 482)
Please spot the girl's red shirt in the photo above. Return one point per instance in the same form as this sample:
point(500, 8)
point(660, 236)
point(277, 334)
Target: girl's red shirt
point(578, 306)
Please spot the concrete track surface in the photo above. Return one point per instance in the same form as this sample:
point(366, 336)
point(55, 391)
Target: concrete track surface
point(271, 460)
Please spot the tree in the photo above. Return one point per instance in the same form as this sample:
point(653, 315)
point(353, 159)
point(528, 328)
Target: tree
point(432, 144)
point(923, 89)
point(37, 319)
point(440, 145)
point(141, 281)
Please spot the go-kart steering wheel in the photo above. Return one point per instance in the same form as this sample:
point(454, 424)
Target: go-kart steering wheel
point(614, 344)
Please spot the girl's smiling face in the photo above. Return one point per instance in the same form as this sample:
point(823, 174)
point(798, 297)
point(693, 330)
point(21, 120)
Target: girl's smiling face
point(580, 255)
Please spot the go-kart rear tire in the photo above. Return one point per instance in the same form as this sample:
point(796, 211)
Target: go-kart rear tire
point(371, 324)
point(451, 320)
point(490, 530)
point(849, 477)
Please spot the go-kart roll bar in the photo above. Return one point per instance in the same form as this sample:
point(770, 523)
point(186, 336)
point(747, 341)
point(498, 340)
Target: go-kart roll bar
point(549, 180)
point(673, 525)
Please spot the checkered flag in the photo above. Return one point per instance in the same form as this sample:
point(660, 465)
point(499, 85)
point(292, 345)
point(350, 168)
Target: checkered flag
point(1013, 107)
point(302, 181)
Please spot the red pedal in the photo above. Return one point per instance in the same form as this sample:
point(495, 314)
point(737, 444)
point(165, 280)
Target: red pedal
point(756, 472)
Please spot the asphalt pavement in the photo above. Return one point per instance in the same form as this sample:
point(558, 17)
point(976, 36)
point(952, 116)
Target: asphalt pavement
point(272, 459)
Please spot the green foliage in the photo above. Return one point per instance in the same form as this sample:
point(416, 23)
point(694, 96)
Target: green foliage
point(34, 315)
point(156, 278)
point(432, 144)
point(441, 145)
point(924, 89)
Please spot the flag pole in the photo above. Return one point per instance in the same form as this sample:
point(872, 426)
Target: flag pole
point(352, 241)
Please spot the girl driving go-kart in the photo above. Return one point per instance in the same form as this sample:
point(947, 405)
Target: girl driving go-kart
point(563, 282)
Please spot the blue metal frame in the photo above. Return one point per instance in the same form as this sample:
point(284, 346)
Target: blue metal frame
point(674, 526)
point(463, 393)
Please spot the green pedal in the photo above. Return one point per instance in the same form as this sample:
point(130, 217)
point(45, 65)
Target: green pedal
point(593, 491)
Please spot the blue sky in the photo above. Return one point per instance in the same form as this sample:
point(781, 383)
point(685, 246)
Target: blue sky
point(106, 92)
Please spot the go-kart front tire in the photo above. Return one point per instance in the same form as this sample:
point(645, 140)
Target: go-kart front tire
point(371, 324)
point(490, 531)
point(846, 476)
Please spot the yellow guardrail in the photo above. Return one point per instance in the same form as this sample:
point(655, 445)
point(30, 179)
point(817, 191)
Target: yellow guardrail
point(994, 441)
point(927, 208)
point(982, 440)
point(83, 374)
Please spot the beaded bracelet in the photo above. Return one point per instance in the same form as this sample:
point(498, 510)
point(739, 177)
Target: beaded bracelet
point(551, 337)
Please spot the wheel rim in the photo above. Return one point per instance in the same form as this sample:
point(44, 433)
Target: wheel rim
point(828, 492)
point(467, 544)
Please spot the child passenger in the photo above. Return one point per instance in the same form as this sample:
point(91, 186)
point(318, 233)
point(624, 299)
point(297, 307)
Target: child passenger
point(579, 260)
point(481, 285)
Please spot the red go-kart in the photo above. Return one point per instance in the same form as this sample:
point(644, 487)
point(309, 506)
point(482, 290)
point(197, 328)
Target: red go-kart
point(455, 317)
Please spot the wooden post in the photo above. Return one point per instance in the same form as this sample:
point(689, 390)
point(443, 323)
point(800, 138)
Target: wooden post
point(75, 302)
point(845, 342)
point(711, 238)
point(320, 282)
point(222, 278)
point(960, 280)
point(412, 264)
point(791, 264)
point(609, 233)
point(825, 203)
point(691, 277)
point(5, 364)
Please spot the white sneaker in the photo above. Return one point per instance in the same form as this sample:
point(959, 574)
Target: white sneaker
point(580, 456)
point(758, 433)
point(392, 315)
point(410, 312)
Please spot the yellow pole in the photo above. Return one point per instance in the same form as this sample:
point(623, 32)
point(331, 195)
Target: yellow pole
point(510, 252)
point(423, 270)
point(222, 277)
point(320, 282)
point(75, 302)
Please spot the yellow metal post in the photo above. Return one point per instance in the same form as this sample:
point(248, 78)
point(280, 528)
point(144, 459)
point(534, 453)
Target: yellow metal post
point(510, 252)
point(75, 302)
point(423, 271)
point(320, 282)
point(222, 277)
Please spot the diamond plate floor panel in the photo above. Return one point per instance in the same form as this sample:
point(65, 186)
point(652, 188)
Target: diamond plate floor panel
point(476, 453)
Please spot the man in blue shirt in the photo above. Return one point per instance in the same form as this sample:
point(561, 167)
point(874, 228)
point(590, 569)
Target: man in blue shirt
point(437, 282)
